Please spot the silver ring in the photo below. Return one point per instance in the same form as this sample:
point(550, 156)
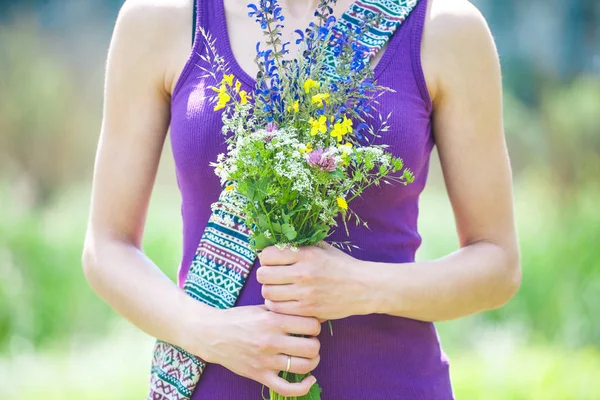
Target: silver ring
point(289, 364)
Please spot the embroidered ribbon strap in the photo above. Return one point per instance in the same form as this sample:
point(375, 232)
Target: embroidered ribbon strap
point(382, 18)
point(218, 272)
point(391, 14)
point(224, 257)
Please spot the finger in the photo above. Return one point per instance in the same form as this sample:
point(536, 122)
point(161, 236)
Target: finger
point(292, 307)
point(274, 256)
point(287, 389)
point(306, 347)
point(298, 365)
point(275, 275)
point(296, 325)
point(280, 292)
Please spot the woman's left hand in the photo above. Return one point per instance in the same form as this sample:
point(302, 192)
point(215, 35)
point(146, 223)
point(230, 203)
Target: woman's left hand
point(325, 283)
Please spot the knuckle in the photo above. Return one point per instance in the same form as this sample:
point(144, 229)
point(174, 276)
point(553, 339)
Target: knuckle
point(309, 294)
point(273, 306)
point(261, 274)
point(258, 364)
point(278, 322)
point(265, 291)
point(315, 328)
point(304, 308)
point(265, 343)
point(315, 362)
point(315, 347)
point(312, 253)
point(308, 253)
point(304, 368)
point(311, 272)
point(305, 274)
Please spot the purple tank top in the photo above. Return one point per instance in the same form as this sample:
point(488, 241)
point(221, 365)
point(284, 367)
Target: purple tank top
point(372, 356)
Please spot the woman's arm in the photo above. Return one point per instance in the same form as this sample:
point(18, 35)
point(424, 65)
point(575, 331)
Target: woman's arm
point(250, 341)
point(485, 273)
point(467, 123)
point(134, 126)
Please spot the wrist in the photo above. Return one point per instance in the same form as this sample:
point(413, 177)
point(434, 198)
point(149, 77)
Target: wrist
point(375, 279)
point(197, 327)
point(366, 284)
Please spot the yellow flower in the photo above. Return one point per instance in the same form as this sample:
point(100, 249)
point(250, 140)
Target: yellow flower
point(221, 90)
point(319, 125)
point(296, 106)
point(228, 188)
point(347, 124)
point(228, 79)
point(341, 127)
point(320, 98)
point(244, 97)
point(307, 148)
point(342, 203)
point(338, 131)
point(309, 84)
point(223, 100)
point(238, 84)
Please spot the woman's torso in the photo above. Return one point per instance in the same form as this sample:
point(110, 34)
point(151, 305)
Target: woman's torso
point(374, 356)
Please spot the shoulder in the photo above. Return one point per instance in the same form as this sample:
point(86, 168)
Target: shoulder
point(456, 42)
point(152, 32)
point(151, 12)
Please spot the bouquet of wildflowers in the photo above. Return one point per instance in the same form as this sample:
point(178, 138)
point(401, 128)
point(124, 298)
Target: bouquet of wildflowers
point(298, 152)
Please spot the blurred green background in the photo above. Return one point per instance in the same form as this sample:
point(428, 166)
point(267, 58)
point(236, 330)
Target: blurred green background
point(59, 341)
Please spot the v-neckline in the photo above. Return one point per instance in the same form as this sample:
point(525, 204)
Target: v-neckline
point(242, 75)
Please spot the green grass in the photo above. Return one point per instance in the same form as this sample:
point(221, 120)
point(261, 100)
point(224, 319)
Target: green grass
point(536, 373)
point(116, 369)
point(59, 341)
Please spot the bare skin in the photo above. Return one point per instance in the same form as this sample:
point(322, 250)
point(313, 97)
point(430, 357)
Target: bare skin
point(151, 44)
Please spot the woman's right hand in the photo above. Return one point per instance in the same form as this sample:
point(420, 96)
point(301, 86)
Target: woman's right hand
point(254, 342)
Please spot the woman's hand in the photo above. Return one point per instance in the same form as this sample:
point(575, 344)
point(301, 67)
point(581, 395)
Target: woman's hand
point(254, 342)
point(318, 282)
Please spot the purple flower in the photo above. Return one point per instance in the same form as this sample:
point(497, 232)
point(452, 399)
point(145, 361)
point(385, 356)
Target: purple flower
point(271, 131)
point(272, 126)
point(322, 159)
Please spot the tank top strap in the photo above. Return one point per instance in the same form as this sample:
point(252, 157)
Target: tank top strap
point(194, 20)
point(416, 38)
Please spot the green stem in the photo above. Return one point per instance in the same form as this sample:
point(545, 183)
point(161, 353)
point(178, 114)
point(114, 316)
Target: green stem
point(275, 52)
point(267, 216)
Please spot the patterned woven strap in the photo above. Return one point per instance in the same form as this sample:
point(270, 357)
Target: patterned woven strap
point(224, 257)
point(382, 18)
point(218, 272)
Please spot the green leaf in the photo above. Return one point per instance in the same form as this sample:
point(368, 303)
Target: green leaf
point(277, 227)
point(251, 192)
point(337, 174)
point(262, 223)
point(260, 241)
point(289, 231)
point(313, 394)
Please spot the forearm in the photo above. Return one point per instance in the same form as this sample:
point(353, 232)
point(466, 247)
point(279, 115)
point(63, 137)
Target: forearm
point(137, 289)
point(478, 277)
